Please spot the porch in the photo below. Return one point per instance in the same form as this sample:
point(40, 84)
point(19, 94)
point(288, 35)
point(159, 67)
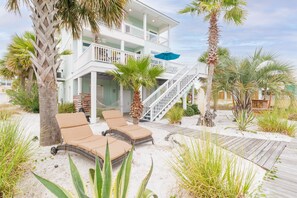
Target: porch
point(97, 91)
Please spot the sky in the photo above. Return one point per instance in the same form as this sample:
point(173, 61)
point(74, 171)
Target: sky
point(270, 25)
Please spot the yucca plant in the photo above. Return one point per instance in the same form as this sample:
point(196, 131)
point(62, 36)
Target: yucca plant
point(175, 115)
point(205, 170)
point(243, 119)
point(101, 180)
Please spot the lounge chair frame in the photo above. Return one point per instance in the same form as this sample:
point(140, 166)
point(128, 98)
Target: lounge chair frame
point(128, 138)
point(85, 153)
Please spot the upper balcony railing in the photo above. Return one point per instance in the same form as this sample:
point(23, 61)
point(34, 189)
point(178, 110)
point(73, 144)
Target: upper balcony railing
point(139, 33)
point(101, 53)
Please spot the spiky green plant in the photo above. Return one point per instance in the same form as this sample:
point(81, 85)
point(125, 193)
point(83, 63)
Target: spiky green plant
point(101, 180)
point(5, 114)
point(243, 119)
point(175, 115)
point(205, 170)
point(15, 152)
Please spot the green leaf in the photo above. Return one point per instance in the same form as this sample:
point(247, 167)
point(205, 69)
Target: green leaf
point(107, 174)
point(54, 188)
point(98, 180)
point(77, 181)
point(117, 188)
point(143, 185)
point(127, 173)
point(148, 194)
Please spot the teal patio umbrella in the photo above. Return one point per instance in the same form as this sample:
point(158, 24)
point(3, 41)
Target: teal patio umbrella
point(167, 56)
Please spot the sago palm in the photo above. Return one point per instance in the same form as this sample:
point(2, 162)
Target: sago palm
point(48, 17)
point(136, 74)
point(232, 11)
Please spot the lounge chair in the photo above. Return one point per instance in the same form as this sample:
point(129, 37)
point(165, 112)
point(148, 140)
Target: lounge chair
point(78, 137)
point(133, 133)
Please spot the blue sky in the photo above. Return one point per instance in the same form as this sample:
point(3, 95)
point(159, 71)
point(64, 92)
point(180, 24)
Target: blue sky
point(270, 24)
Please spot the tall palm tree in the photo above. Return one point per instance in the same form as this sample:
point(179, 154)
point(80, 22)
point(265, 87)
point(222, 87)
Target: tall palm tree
point(232, 11)
point(223, 53)
point(135, 74)
point(48, 17)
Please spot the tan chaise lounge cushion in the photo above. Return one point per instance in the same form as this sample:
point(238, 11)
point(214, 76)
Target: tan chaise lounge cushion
point(76, 131)
point(116, 121)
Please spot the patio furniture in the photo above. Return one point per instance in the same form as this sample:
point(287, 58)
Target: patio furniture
point(133, 133)
point(78, 137)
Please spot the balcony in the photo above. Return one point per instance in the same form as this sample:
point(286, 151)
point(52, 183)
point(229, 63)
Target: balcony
point(139, 33)
point(100, 53)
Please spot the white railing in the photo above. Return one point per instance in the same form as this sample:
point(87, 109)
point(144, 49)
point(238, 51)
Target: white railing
point(157, 39)
point(110, 55)
point(162, 89)
point(102, 53)
point(133, 30)
point(157, 103)
point(171, 67)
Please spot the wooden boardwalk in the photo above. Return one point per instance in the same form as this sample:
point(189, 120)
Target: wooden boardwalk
point(261, 152)
point(285, 182)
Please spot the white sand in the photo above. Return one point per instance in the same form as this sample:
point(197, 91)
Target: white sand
point(162, 181)
point(225, 126)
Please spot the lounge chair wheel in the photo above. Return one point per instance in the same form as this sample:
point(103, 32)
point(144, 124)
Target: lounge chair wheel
point(54, 151)
point(104, 133)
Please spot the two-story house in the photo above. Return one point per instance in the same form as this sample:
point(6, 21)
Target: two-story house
point(82, 76)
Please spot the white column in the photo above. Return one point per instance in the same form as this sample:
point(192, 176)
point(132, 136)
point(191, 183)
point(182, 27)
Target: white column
point(122, 54)
point(122, 98)
point(260, 94)
point(79, 85)
point(185, 102)
point(93, 97)
point(193, 94)
point(145, 26)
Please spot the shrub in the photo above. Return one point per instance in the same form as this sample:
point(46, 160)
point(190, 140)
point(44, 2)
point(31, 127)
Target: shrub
point(15, 151)
point(175, 115)
point(205, 170)
point(66, 108)
point(272, 122)
point(195, 108)
point(29, 101)
point(189, 111)
point(244, 119)
point(101, 180)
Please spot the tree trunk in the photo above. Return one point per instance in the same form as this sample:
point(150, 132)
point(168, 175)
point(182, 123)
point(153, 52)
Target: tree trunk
point(30, 81)
point(136, 107)
point(45, 65)
point(49, 130)
point(212, 60)
point(22, 81)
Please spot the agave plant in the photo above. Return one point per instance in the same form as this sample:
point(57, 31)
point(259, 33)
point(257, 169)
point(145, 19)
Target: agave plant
point(101, 180)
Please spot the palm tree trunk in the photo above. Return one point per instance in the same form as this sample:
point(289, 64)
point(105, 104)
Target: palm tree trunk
point(136, 107)
point(30, 81)
point(212, 61)
point(45, 65)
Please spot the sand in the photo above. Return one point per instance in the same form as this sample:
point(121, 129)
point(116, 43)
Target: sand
point(162, 182)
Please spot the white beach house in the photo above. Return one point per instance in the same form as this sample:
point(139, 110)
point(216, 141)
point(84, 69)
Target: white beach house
point(145, 31)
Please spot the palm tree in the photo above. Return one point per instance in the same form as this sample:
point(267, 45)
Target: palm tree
point(223, 53)
point(232, 12)
point(48, 17)
point(136, 74)
point(243, 78)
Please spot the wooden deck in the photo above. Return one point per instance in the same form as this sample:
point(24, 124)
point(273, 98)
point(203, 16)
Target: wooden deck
point(261, 152)
point(285, 182)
